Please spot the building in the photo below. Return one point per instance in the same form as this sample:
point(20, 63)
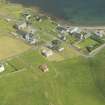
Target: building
point(28, 17)
point(87, 35)
point(38, 18)
point(20, 25)
point(47, 53)
point(75, 30)
point(62, 37)
point(99, 34)
point(61, 29)
point(78, 36)
point(61, 49)
point(29, 37)
point(2, 68)
point(44, 68)
point(8, 19)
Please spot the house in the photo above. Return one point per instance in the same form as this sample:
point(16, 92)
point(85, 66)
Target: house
point(78, 36)
point(87, 35)
point(44, 68)
point(29, 37)
point(61, 29)
point(47, 53)
point(77, 33)
point(75, 30)
point(62, 37)
point(20, 25)
point(99, 33)
point(2, 68)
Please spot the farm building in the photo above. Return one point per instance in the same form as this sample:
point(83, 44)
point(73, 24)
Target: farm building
point(47, 53)
point(2, 68)
point(44, 68)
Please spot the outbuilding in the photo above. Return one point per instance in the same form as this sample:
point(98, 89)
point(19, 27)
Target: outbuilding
point(2, 68)
point(44, 68)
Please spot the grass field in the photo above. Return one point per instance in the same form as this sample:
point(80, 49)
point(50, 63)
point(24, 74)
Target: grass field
point(10, 10)
point(46, 30)
point(11, 46)
point(68, 82)
point(87, 42)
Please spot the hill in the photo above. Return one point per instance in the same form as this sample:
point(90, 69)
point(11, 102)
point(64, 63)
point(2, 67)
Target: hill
point(72, 80)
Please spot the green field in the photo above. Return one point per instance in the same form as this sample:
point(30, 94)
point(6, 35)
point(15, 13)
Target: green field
point(87, 42)
point(76, 81)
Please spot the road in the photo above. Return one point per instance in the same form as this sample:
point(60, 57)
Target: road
point(91, 54)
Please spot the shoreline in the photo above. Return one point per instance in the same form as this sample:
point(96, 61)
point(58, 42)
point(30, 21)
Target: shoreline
point(67, 23)
point(62, 21)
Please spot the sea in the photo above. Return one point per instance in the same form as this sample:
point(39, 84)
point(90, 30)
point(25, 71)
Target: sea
point(76, 12)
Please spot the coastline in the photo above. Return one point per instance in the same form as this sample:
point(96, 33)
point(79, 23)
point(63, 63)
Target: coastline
point(61, 21)
point(67, 23)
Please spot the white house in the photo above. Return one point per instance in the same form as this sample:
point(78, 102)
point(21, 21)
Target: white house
point(47, 53)
point(2, 68)
point(21, 25)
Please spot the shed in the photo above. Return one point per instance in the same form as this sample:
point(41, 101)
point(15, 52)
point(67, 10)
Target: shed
point(44, 68)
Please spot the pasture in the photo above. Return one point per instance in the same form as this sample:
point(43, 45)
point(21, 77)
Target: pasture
point(11, 46)
point(73, 81)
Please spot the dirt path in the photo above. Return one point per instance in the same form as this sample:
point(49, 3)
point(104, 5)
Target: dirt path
point(12, 73)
